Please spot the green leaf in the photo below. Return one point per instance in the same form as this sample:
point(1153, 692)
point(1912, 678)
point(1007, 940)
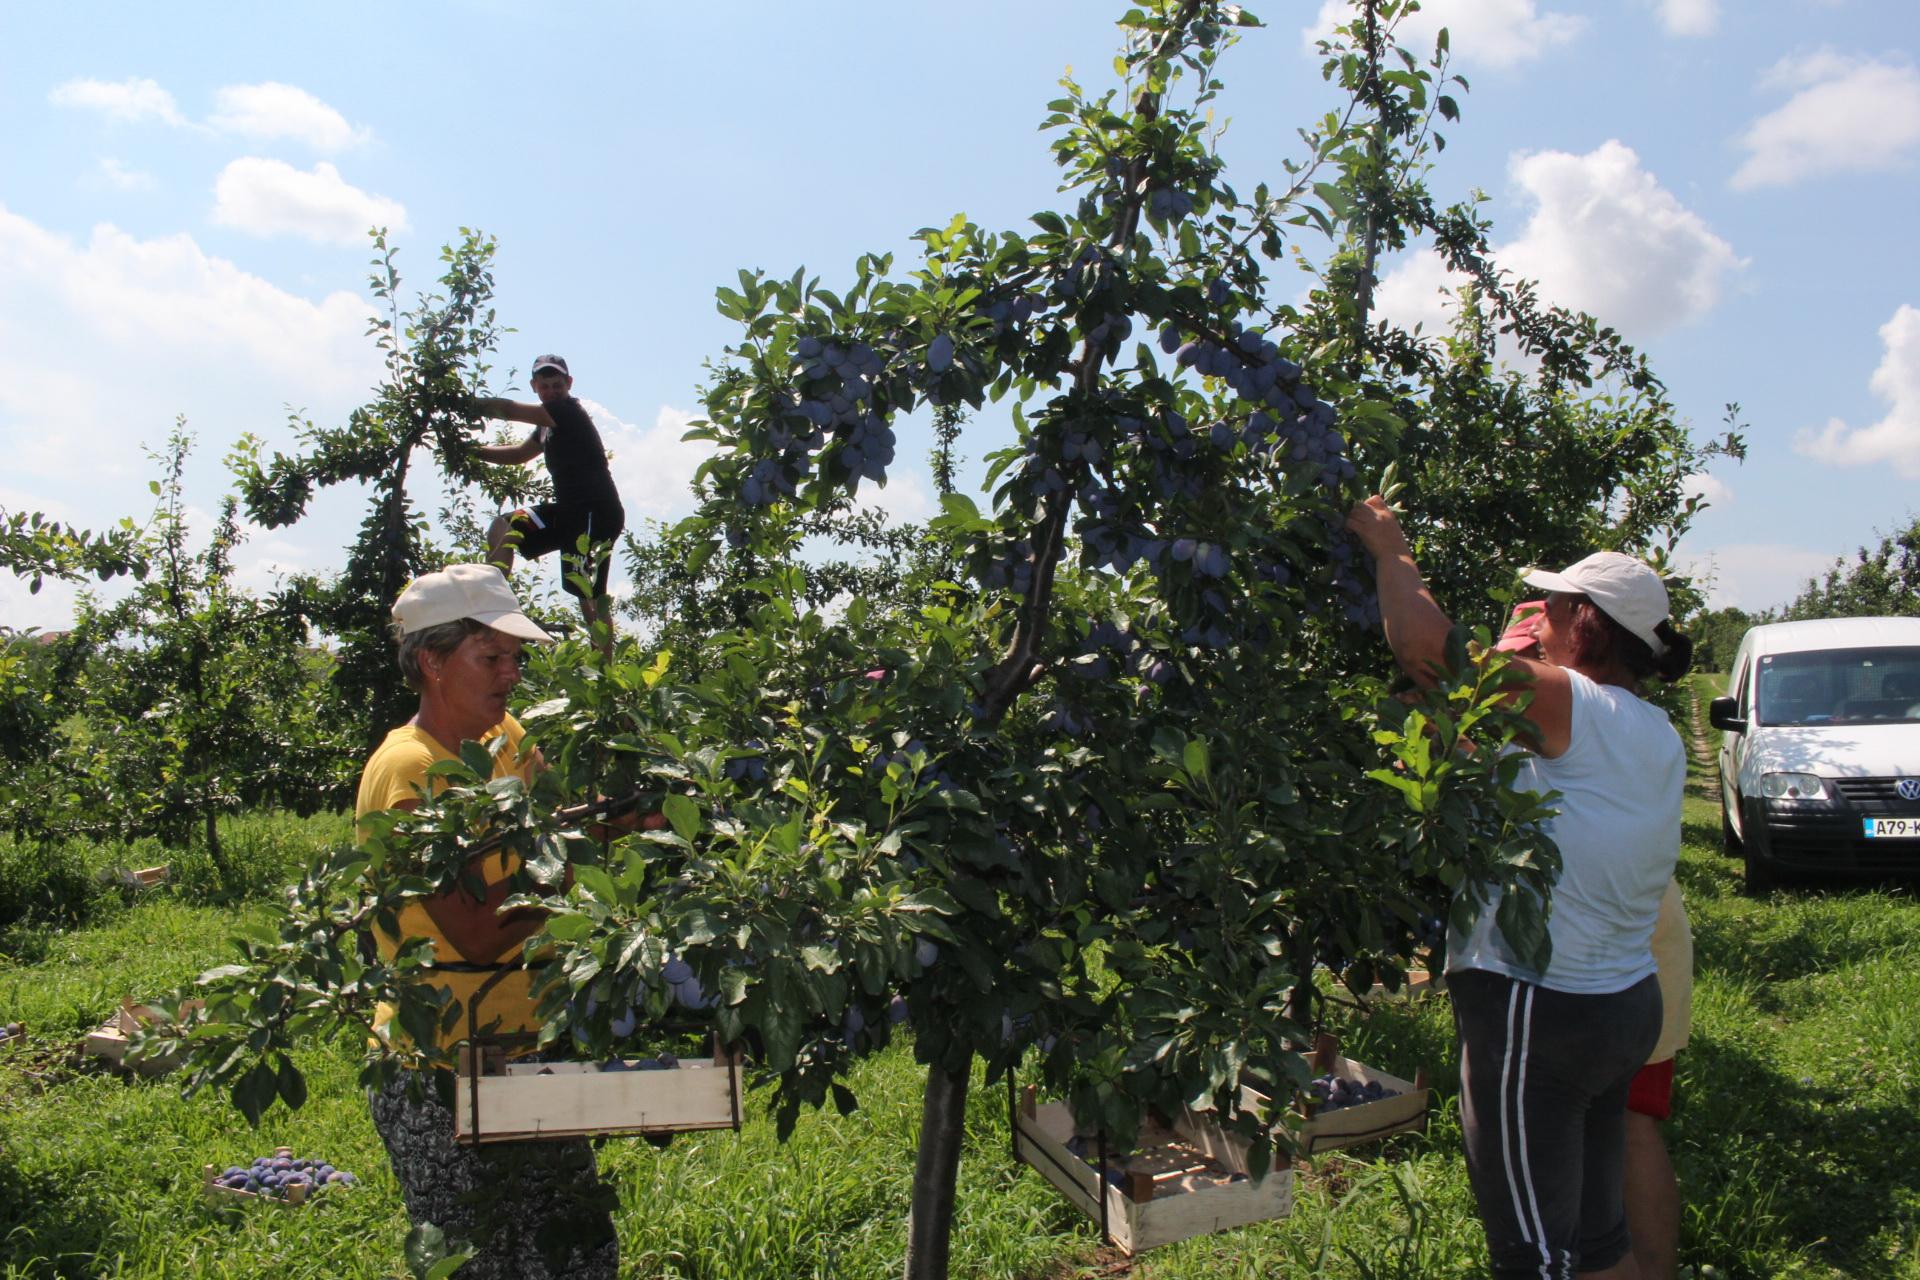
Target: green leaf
point(255, 1091)
point(820, 958)
point(683, 815)
point(477, 758)
point(291, 1084)
point(597, 882)
point(1194, 758)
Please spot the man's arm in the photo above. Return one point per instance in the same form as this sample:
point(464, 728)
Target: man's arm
point(534, 415)
point(512, 454)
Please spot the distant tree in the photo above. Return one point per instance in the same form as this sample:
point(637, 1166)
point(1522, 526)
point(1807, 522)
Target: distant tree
point(1883, 581)
point(436, 356)
point(186, 699)
point(1717, 634)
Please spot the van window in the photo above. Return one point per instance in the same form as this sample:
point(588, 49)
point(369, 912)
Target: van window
point(1839, 686)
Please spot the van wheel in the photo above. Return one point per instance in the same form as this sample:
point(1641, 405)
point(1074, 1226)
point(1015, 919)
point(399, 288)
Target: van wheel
point(1729, 839)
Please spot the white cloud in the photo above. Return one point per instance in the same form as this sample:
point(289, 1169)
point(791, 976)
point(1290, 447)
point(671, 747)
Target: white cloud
point(1690, 17)
point(127, 101)
point(1702, 484)
point(1753, 575)
point(103, 342)
point(905, 500)
point(1608, 239)
point(1492, 33)
point(1604, 237)
point(1419, 290)
point(273, 110)
point(652, 466)
point(1895, 439)
point(110, 172)
point(167, 294)
point(270, 197)
point(1848, 115)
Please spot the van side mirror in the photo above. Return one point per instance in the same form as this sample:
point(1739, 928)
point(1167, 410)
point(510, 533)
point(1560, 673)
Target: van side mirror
point(1724, 713)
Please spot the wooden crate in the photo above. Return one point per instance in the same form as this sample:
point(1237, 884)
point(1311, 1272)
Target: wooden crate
point(1316, 1128)
point(214, 1191)
point(1178, 1183)
point(109, 1040)
point(151, 877)
point(1419, 982)
point(506, 1101)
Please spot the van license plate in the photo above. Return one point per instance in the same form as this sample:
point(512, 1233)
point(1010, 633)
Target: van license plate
point(1892, 828)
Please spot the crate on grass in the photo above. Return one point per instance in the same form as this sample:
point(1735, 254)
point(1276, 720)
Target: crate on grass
point(1419, 982)
point(1185, 1177)
point(1330, 1123)
point(110, 1040)
point(497, 1099)
point(298, 1189)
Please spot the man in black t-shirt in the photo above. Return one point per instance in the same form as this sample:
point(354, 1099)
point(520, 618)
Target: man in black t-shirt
point(585, 503)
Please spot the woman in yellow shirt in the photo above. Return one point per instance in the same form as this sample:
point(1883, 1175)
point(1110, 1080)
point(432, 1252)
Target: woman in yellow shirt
point(530, 1209)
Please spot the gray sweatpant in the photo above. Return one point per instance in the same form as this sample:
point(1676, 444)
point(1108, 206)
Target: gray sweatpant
point(1543, 1099)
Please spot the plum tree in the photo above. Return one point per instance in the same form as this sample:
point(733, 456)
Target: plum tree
point(1109, 772)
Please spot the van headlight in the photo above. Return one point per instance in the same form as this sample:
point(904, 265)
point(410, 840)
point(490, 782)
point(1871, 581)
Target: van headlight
point(1792, 786)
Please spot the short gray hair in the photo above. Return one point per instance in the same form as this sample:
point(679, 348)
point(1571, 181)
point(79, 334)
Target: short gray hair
point(442, 638)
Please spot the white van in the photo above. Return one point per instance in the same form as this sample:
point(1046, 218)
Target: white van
point(1820, 758)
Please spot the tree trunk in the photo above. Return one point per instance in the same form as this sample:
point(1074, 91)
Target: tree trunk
point(220, 866)
point(943, 1126)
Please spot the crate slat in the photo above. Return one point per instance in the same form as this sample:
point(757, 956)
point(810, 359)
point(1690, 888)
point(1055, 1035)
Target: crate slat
point(1318, 1129)
point(525, 1101)
point(214, 1190)
point(1154, 1210)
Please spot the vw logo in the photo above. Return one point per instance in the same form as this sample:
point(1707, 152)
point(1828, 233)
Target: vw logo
point(1909, 788)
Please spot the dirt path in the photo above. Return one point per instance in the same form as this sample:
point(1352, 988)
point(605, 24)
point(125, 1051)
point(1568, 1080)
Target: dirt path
point(1700, 737)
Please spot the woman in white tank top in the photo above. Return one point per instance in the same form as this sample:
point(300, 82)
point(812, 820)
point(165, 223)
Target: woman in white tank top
point(1547, 1055)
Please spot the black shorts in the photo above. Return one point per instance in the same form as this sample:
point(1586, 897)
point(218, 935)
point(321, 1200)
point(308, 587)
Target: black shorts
point(1544, 1077)
point(552, 526)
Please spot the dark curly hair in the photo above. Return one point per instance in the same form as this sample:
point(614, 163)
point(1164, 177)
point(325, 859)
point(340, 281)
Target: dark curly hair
point(1596, 640)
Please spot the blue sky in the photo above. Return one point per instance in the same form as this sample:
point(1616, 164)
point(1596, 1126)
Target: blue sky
point(184, 192)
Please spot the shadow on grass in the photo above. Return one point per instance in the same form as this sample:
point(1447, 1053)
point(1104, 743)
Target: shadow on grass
point(43, 1231)
point(1790, 942)
point(1765, 1159)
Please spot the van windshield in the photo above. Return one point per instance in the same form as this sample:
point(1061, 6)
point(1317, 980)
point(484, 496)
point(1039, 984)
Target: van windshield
point(1839, 686)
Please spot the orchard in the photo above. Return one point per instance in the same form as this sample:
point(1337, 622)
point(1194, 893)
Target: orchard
point(1092, 781)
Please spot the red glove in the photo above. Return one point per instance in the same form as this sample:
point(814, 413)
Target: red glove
point(1522, 635)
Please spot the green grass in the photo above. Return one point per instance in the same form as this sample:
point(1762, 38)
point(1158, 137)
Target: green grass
point(1798, 1105)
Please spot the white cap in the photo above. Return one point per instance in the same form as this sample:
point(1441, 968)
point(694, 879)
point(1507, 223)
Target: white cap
point(1627, 590)
point(477, 591)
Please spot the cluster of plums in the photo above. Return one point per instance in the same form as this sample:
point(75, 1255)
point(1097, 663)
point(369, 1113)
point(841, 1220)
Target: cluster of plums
point(13, 1029)
point(839, 399)
point(1284, 418)
point(1334, 1092)
point(277, 1175)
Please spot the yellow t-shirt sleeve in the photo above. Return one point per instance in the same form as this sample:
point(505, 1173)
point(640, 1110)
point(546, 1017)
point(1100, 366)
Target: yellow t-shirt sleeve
point(394, 776)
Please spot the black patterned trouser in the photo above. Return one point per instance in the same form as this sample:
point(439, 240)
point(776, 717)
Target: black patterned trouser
point(533, 1210)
